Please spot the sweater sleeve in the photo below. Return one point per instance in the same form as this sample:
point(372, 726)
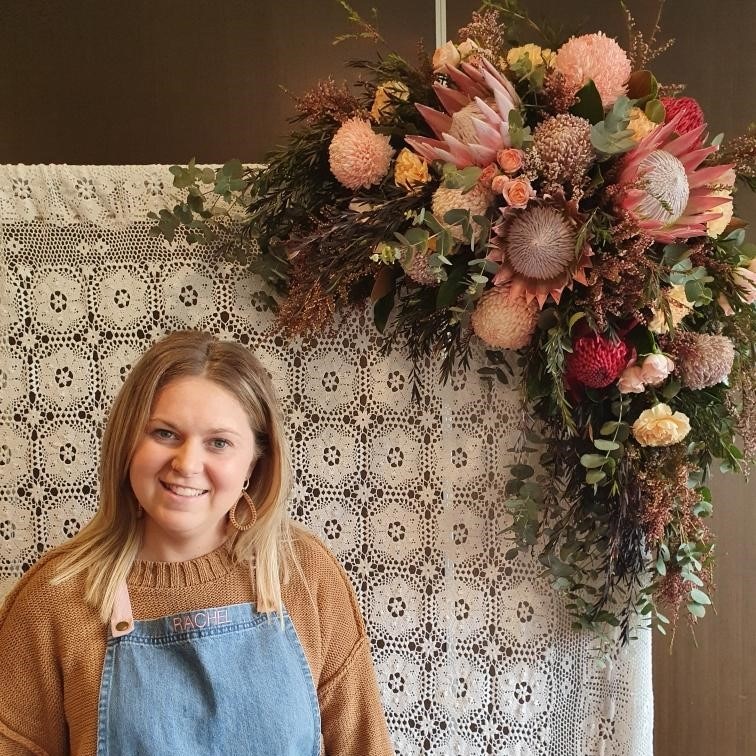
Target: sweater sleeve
point(32, 719)
point(351, 712)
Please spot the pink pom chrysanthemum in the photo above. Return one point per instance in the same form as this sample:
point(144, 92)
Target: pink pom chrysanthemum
point(595, 57)
point(359, 157)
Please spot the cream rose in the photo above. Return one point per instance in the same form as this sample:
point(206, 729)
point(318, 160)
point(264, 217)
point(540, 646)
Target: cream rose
point(656, 368)
point(745, 279)
point(640, 124)
point(715, 227)
point(679, 307)
point(659, 426)
point(446, 55)
point(518, 192)
point(410, 170)
point(384, 103)
point(510, 160)
point(468, 48)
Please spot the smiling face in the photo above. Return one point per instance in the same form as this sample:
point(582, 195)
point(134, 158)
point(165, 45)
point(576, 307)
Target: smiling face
point(189, 468)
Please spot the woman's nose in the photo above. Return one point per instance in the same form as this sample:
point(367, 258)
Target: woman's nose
point(187, 459)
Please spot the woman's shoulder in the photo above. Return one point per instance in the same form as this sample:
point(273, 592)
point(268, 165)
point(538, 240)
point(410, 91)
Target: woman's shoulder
point(321, 572)
point(35, 595)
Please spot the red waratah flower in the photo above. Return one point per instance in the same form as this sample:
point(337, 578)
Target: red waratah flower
point(691, 115)
point(596, 360)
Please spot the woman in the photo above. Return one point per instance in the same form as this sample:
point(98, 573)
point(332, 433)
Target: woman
point(190, 616)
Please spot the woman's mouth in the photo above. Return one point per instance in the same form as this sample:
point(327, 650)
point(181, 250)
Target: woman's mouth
point(184, 491)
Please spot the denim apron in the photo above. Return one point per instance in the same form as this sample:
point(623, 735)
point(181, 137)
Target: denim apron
point(226, 680)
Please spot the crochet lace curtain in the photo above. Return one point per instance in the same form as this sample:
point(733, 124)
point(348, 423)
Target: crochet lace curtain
point(473, 652)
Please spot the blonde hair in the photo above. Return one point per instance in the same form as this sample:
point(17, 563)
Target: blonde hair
point(108, 546)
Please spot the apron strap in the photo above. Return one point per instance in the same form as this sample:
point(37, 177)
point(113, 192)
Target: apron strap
point(122, 618)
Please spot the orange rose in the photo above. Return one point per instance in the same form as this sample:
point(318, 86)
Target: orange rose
point(510, 160)
point(518, 192)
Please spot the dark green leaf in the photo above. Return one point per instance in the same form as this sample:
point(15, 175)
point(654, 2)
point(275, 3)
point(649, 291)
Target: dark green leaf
point(588, 104)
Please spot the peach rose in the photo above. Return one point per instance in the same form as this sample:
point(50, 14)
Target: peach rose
point(656, 368)
point(487, 175)
point(659, 426)
point(510, 160)
point(410, 170)
point(498, 183)
point(518, 192)
point(446, 55)
point(631, 381)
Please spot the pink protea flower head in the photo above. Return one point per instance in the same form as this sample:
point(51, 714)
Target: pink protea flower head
point(359, 157)
point(504, 320)
point(475, 125)
point(596, 360)
point(595, 57)
point(664, 188)
point(691, 115)
point(536, 248)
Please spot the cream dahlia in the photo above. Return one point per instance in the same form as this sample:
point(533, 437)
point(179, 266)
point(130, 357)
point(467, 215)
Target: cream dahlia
point(476, 201)
point(664, 188)
point(538, 250)
point(359, 157)
point(597, 58)
point(475, 125)
point(504, 320)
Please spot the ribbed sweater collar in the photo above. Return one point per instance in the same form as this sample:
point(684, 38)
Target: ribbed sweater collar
point(204, 569)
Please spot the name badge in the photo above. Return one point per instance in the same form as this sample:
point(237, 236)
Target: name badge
point(181, 623)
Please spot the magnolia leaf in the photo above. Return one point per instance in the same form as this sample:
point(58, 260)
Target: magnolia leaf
point(588, 104)
point(642, 85)
point(655, 111)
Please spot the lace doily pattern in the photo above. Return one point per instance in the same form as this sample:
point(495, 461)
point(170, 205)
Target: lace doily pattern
point(473, 652)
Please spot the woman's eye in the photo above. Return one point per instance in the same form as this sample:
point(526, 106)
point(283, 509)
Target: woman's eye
point(163, 434)
point(219, 443)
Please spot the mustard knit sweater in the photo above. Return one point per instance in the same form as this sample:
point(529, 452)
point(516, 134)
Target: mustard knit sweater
point(52, 647)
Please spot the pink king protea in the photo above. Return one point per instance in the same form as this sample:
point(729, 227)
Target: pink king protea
point(476, 123)
point(664, 188)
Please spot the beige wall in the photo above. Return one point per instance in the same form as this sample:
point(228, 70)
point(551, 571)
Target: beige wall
point(162, 81)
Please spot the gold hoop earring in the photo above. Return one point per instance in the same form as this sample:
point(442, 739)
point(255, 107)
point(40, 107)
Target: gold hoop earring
point(232, 513)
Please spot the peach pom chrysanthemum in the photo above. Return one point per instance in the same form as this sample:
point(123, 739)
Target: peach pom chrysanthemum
point(595, 57)
point(359, 157)
point(504, 320)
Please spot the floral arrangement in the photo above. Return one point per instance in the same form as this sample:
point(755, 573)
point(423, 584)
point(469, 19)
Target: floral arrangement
point(561, 205)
